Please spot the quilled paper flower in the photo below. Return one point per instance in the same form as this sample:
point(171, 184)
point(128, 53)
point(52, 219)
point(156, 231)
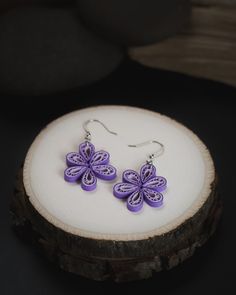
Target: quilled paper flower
point(88, 165)
point(139, 188)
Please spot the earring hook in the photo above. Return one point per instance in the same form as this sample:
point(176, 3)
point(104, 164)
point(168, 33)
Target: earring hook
point(88, 134)
point(154, 155)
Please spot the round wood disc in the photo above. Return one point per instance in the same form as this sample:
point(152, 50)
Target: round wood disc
point(93, 233)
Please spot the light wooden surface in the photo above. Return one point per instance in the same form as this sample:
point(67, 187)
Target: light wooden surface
point(92, 233)
point(186, 164)
point(207, 48)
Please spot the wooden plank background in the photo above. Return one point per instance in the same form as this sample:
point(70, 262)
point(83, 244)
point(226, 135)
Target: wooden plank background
point(207, 48)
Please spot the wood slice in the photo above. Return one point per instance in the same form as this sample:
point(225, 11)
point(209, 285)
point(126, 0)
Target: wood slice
point(206, 48)
point(92, 233)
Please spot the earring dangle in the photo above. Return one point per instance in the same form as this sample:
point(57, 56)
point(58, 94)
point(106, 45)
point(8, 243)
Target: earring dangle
point(146, 186)
point(87, 165)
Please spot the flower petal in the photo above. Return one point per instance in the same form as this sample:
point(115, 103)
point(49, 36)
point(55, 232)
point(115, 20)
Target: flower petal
point(89, 180)
point(153, 198)
point(135, 201)
point(106, 172)
point(86, 150)
point(131, 176)
point(157, 183)
point(123, 190)
point(72, 174)
point(75, 159)
point(147, 172)
point(100, 158)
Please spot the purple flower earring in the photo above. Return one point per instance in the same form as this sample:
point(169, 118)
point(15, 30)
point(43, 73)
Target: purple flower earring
point(146, 186)
point(88, 165)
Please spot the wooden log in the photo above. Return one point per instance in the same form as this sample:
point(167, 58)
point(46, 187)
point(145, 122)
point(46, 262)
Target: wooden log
point(206, 48)
point(93, 234)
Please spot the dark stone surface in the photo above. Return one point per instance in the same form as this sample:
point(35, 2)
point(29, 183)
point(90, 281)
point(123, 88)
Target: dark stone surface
point(134, 22)
point(45, 50)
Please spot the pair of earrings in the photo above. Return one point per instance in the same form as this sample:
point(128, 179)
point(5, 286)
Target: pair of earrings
point(87, 165)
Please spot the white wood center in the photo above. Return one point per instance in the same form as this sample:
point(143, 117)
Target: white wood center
point(186, 164)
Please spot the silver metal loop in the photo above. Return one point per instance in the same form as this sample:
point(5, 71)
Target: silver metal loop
point(154, 155)
point(88, 133)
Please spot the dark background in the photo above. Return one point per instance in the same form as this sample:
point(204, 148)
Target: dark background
point(205, 107)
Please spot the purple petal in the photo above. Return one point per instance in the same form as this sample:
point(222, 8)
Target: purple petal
point(131, 176)
point(153, 198)
point(100, 158)
point(123, 190)
point(89, 180)
point(86, 150)
point(135, 201)
point(72, 174)
point(157, 183)
point(75, 159)
point(105, 172)
point(147, 172)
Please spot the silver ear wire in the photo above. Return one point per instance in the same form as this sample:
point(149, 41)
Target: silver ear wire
point(154, 155)
point(88, 134)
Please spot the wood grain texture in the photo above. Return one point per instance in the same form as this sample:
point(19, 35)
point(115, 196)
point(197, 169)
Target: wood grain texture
point(117, 260)
point(207, 48)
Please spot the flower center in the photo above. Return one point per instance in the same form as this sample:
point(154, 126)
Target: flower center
point(141, 186)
